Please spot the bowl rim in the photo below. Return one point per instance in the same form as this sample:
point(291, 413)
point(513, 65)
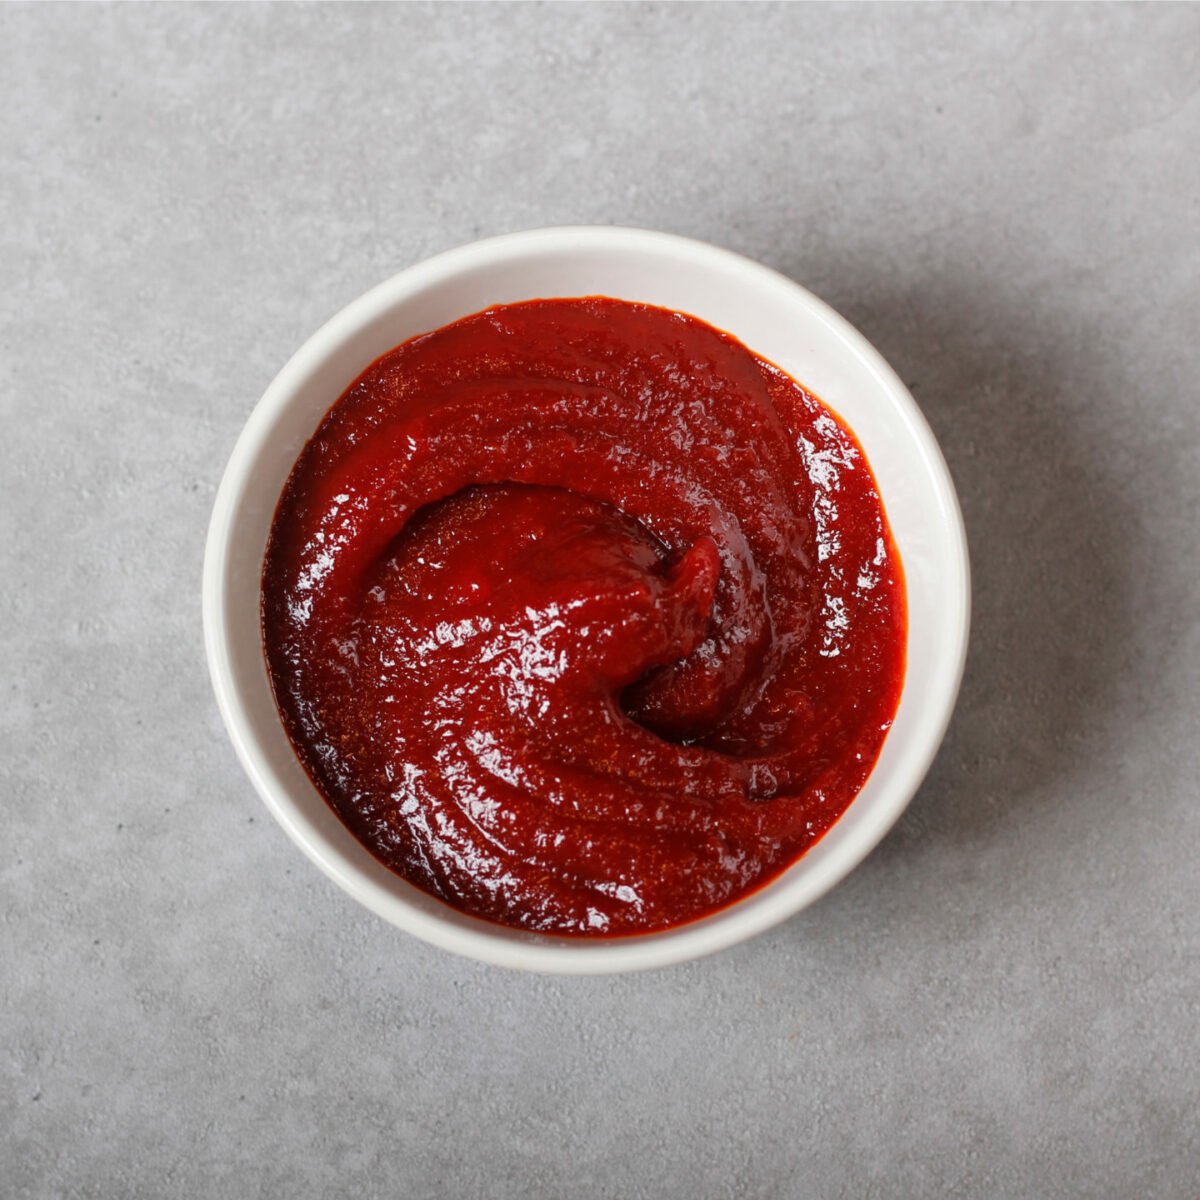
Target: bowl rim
point(474, 937)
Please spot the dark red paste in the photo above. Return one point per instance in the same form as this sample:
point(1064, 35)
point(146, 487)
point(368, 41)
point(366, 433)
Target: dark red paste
point(583, 617)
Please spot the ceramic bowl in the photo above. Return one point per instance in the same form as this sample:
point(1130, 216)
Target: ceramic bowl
point(774, 317)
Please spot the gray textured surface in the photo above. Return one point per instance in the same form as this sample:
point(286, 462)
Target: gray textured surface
point(1004, 1000)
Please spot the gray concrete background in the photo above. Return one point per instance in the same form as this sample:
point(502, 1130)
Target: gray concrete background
point(1003, 1001)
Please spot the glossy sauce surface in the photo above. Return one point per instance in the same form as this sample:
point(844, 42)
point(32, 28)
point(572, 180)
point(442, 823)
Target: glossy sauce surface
point(583, 617)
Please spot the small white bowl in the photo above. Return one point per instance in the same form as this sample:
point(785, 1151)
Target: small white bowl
point(770, 314)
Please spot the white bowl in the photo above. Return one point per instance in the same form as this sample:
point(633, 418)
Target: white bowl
point(770, 314)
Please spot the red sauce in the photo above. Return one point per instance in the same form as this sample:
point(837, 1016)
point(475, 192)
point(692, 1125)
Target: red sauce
point(583, 617)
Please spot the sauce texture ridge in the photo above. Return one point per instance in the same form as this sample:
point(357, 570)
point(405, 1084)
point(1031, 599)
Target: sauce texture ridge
point(583, 617)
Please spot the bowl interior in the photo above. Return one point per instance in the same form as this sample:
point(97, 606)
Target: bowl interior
point(772, 316)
